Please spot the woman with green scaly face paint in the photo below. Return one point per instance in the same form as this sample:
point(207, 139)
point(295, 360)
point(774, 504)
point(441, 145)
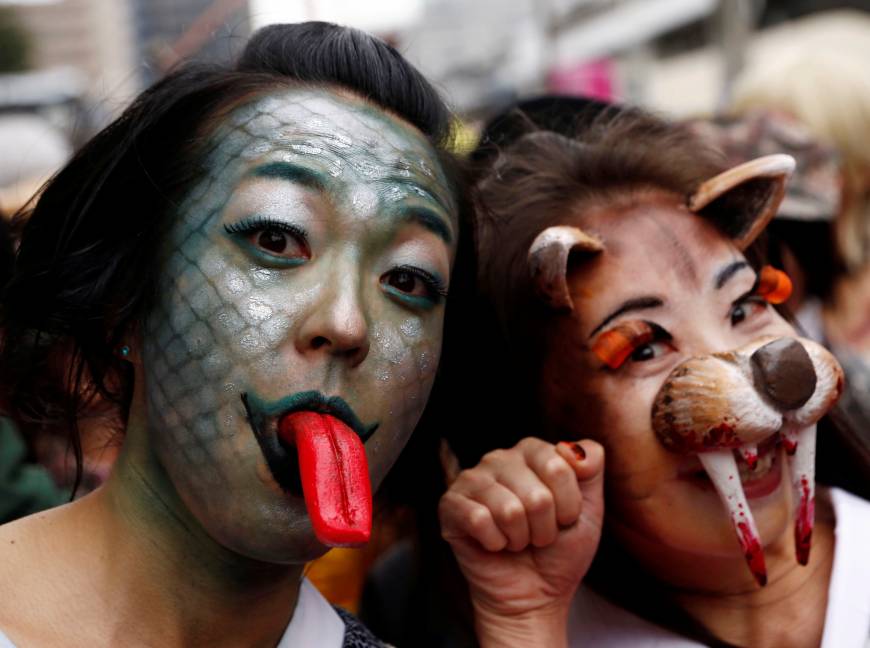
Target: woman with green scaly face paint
point(241, 248)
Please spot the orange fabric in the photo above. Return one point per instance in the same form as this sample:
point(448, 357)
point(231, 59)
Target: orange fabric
point(339, 576)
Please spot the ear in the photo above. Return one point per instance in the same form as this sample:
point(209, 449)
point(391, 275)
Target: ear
point(548, 262)
point(741, 201)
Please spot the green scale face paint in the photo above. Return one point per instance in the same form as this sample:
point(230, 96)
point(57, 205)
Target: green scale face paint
point(308, 265)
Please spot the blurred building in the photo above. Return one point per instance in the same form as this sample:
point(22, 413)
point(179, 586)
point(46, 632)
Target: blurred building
point(486, 53)
point(120, 46)
point(93, 36)
point(168, 31)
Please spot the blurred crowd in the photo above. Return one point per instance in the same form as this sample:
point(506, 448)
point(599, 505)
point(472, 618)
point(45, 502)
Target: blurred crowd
point(812, 102)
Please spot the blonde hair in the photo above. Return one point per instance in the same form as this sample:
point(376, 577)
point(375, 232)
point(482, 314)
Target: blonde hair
point(827, 88)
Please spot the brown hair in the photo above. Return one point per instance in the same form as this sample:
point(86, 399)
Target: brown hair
point(547, 178)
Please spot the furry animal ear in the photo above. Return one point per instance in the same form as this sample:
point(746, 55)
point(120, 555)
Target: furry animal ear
point(548, 262)
point(742, 200)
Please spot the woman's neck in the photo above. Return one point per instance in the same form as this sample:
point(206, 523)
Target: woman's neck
point(788, 611)
point(724, 599)
point(167, 576)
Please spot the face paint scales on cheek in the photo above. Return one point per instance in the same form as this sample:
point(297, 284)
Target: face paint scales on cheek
point(219, 354)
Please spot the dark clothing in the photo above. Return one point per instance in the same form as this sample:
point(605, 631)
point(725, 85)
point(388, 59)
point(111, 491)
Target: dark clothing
point(356, 635)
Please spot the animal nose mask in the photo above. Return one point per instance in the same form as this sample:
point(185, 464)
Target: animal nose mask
point(724, 404)
point(783, 371)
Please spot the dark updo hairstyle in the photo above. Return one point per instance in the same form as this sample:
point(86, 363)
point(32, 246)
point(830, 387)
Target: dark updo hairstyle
point(85, 272)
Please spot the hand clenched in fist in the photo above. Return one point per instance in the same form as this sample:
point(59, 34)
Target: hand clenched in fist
point(524, 525)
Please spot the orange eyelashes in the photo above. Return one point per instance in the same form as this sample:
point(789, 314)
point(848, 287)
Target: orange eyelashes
point(774, 285)
point(613, 347)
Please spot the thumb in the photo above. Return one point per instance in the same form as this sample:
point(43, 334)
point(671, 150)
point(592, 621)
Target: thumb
point(587, 459)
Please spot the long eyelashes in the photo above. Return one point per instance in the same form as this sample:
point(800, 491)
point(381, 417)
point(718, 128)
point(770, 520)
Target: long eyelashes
point(258, 223)
point(773, 285)
point(434, 285)
point(613, 347)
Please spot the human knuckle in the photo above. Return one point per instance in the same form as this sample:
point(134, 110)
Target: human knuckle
point(447, 505)
point(511, 512)
point(478, 519)
point(495, 457)
point(539, 500)
point(557, 469)
point(472, 479)
point(530, 443)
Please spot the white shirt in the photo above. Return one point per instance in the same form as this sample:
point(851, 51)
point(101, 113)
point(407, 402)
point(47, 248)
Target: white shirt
point(847, 620)
point(594, 621)
point(315, 623)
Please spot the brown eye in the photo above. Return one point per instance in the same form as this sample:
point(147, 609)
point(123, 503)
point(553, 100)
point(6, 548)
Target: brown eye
point(273, 241)
point(402, 280)
point(745, 309)
point(279, 243)
point(644, 353)
point(414, 287)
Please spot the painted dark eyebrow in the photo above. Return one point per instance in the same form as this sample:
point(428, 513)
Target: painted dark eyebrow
point(428, 219)
point(431, 195)
point(726, 273)
point(291, 172)
point(634, 304)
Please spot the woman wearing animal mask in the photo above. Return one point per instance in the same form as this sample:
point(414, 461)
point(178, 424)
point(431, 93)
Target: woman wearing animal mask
point(251, 266)
point(616, 266)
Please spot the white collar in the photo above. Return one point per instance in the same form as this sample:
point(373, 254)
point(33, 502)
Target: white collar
point(595, 621)
point(314, 622)
point(847, 619)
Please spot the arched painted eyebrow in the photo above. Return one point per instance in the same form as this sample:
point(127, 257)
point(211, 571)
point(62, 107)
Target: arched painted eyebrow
point(428, 219)
point(431, 219)
point(299, 174)
point(635, 304)
point(420, 190)
point(726, 273)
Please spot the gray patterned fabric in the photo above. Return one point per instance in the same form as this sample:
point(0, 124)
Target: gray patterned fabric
point(356, 634)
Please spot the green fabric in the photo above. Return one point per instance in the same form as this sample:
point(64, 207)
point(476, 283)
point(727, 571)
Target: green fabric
point(25, 488)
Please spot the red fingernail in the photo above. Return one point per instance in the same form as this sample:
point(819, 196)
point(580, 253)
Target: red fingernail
point(576, 448)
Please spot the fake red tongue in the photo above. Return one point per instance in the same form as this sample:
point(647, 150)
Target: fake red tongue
point(335, 477)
